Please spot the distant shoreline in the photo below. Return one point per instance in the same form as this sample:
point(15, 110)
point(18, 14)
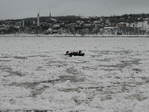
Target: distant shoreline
point(67, 35)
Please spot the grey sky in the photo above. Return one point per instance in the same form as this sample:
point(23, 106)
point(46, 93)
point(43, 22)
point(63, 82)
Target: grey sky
point(29, 8)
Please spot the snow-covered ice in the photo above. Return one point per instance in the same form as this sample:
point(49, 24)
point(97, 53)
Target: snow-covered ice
point(112, 77)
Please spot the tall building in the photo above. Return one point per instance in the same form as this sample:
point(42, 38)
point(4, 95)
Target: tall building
point(38, 19)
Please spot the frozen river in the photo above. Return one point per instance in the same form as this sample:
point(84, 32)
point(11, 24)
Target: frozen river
point(112, 77)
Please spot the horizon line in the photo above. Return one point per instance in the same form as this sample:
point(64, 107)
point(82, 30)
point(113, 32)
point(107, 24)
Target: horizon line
point(112, 15)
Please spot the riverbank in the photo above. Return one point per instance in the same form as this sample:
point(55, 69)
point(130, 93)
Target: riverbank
point(69, 35)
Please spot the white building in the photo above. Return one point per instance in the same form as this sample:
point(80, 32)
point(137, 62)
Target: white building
point(143, 25)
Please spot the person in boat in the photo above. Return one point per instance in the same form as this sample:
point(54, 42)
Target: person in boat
point(67, 53)
point(78, 53)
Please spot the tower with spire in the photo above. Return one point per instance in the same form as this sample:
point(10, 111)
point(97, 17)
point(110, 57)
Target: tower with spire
point(23, 23)
point(38, 19)
point(50, 14)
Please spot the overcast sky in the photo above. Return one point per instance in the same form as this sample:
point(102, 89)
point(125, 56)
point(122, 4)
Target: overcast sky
point(29, 8)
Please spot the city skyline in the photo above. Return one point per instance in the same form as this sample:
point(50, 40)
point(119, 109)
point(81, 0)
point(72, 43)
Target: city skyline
point(30, 8)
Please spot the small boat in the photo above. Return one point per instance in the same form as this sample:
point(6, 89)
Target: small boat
point(75, 53)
